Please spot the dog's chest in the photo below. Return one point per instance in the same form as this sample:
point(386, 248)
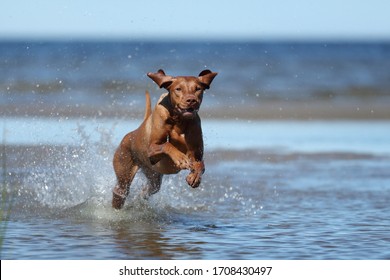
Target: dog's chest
point(177, 137)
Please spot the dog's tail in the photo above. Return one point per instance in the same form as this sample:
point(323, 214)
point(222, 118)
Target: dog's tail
point(148, 106)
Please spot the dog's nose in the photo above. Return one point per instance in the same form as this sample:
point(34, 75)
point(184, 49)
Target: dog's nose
point(191, 101)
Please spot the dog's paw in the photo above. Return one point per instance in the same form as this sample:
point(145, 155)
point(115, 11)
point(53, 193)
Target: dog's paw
point(193, 179)
point(195, 176)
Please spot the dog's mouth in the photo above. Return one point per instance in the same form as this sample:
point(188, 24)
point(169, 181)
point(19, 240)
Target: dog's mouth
point(187, 112)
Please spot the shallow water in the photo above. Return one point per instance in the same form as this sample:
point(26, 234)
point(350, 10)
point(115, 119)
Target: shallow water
point(294, 135)
point(272, 190)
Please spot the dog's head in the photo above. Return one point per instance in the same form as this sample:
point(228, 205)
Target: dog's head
point(185, 92)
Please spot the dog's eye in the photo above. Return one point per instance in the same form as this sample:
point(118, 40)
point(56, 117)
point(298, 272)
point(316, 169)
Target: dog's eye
point(198, 89)
point(178, 89)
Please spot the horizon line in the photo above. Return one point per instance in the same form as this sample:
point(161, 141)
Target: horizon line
point(221, 39)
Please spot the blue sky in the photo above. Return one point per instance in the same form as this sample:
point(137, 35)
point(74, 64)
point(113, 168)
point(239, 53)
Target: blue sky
point(194, 20)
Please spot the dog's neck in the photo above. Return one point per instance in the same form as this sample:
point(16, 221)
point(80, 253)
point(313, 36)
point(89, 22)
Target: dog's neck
point(167, 104)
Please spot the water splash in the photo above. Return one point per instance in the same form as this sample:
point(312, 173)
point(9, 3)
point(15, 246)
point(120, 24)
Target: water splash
point(77, 181)
point(70, 175)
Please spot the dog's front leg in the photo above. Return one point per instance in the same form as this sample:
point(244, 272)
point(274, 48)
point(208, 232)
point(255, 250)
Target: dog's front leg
point(157, 151)
point(194, 141)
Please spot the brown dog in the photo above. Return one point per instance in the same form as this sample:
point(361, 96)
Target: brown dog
point(168, 140)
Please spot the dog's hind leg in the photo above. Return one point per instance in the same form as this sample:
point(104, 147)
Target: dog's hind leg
point(121, 190)
point(154, 180)
point(125, 170)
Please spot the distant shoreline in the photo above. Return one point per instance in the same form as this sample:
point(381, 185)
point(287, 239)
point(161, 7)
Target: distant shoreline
point(267, 111)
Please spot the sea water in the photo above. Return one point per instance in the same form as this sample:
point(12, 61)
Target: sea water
point(296, 151)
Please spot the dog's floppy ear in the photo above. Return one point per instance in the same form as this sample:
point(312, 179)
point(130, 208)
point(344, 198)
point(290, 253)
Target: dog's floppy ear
point(206, 77)
point(162, 80)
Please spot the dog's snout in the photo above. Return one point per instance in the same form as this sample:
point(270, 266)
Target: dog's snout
point(191, 101)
